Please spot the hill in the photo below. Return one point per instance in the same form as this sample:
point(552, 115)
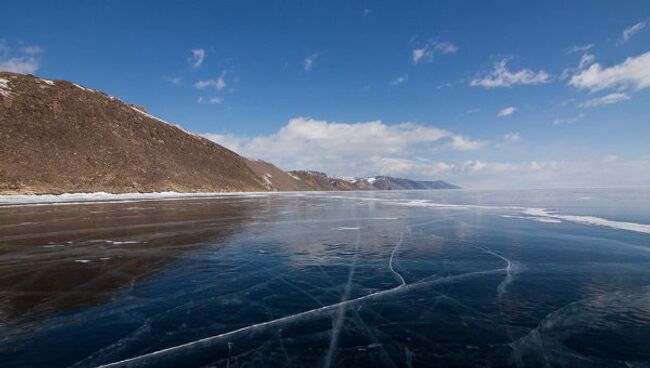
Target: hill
point(57, 136)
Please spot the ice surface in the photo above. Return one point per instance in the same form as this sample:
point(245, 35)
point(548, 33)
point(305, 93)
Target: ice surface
point(76, 198)
point(419, 278)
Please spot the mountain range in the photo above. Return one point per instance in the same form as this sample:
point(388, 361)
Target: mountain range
point(57, 136)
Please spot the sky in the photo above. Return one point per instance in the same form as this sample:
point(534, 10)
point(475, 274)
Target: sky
point(484, 94)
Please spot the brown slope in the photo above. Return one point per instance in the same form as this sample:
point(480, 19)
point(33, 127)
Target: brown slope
point(60, 137)
point(274, 178)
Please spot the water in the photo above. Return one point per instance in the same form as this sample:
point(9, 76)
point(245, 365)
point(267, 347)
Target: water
point(376, 279)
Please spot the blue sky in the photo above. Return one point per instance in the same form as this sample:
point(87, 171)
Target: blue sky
point(481, 93)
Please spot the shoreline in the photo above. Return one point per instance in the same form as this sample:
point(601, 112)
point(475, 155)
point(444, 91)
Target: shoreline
point(10, 200)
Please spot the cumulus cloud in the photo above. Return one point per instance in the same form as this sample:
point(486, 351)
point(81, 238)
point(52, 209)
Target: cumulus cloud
point(633, 73)
point(26, 61)
point(611, 98)
point(344, 148)
point(500, 76)
point(432, 47)
point(399, 80)
point(632, 30)
point(218, 84)
point(416, 169)
point(507, 111)
point(308, 62)
point(460, 143)
point(511, 137)
point(196, 58)
point(585, 61)
point(375, 148)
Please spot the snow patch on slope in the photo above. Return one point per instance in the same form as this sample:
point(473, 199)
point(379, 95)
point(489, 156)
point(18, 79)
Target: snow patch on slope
point(293, 176)
point(267, 181)
point(5, 90)
point(83, 88)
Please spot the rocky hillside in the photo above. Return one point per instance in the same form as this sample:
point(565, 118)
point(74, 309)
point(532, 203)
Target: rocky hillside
point(315, 180)
point(56, 136)
point(389, 183)
point(275, 179)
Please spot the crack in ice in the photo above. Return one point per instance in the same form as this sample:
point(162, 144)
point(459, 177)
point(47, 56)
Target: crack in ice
point(212, 340)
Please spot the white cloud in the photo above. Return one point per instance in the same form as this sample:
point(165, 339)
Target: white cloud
point(399, 80)
point(308, 63)
point(586, 60)
point(417, 169)
point(633, 73)
point(344, 148)
point(570, 120)
point(173, 80)
point(197, 58)
point(32, 50)
point(632, 30)
point(511, 137)
point(432, 47)
point(218, 84)
point(25, 62)
point(460, 143)
point(611, 98)
point(216, 100)
point(584, 48)
point(507, 111)
point(500, 76)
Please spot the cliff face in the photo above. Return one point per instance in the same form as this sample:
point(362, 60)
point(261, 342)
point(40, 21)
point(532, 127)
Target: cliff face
point(56, 136)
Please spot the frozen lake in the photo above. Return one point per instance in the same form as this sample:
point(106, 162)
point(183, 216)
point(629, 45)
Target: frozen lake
point(358, 279)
